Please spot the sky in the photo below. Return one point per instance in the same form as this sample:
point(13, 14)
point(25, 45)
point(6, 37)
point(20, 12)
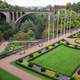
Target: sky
point(39, 2)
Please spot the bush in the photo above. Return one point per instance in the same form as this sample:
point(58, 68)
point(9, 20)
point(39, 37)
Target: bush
point(30, 64)
point(63, 42)
point(50, 73)
point(39, 51)
point(43, 50)
point(43, 69)
point(72, 78)
point(56, 75)
point(50, 47)
point(20, 60)
point(31, 55)
point(67, 43)
point(36, 54)
point(71, 46)
point(78, 72)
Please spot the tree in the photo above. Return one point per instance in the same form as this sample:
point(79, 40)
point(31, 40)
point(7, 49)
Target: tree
point(31, 35)
point(36, 23)
point(78, 5)
point(21, 36)
point(75, 7)
point(69, 6)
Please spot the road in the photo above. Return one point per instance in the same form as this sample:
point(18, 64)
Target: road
point(5, 62)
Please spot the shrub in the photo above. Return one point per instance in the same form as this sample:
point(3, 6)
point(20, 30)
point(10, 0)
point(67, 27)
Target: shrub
point(43, 50)
point(39, 51)
point(71, 45)
point(36, 54)
point(72, 78)
point(43, 69)
point(25, 62)
point(30, 64)
point(20, 60)
point(63, 42)
point(78, 72)
point(56, 44)
point(31, 55)
point(50, 47)
point(67, 43)
point(50, 73)
point(56, 75)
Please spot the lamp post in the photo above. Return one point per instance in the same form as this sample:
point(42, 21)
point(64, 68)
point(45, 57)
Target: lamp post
point(57, 22)
point(65, 23)
point(70, 21)
point(49, 18)
point(54, 24)
point(61, 26)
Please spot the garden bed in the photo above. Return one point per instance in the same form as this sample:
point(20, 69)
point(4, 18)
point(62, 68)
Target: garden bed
point(11, 48)
point(53, 61)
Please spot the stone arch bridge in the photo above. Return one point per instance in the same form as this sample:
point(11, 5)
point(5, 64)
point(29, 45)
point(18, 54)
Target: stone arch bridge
point(10, 16)
point(14, 17)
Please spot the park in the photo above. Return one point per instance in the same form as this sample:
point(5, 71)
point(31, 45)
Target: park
point(40, 43)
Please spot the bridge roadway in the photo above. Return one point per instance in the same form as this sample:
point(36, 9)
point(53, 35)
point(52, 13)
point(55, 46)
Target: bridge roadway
point(5, 62)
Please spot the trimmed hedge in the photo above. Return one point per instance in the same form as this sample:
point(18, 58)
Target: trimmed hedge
point(50, 47)
point(36, 54)
point(70, 45)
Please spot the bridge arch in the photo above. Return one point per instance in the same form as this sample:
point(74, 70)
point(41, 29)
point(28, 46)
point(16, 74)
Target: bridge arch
point(22, 19)
point(2, 17)
point(11, 16)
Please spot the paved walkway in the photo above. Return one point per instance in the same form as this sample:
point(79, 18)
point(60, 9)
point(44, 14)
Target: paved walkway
point(5, 62)
point(72, 41)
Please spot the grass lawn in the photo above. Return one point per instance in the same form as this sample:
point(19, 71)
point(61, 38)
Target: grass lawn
point(61, 59)
point(7, 76)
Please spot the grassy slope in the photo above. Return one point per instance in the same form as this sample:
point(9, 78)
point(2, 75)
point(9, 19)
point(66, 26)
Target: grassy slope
point(7, 76)
point(62, 59)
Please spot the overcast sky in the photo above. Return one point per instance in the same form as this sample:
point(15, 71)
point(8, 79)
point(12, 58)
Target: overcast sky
point(39, 2)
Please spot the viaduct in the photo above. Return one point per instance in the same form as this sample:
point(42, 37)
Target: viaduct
point(10, 16)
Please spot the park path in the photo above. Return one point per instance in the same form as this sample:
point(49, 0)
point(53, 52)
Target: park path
point(72, 41)
point(5, 62)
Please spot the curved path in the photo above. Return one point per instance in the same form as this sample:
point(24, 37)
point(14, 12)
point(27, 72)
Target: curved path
point(5, 62)
point(72, 41)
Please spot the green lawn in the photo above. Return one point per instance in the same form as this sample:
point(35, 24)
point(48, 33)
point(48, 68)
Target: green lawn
point(7, 76)
point(61, 59)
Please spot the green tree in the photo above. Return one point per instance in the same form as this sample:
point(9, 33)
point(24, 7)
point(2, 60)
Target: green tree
point(68, 6)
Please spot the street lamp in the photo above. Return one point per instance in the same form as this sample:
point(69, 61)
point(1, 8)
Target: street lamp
point(65, 23)
point(54, 24)
point(58, 13)
point(49, 18)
